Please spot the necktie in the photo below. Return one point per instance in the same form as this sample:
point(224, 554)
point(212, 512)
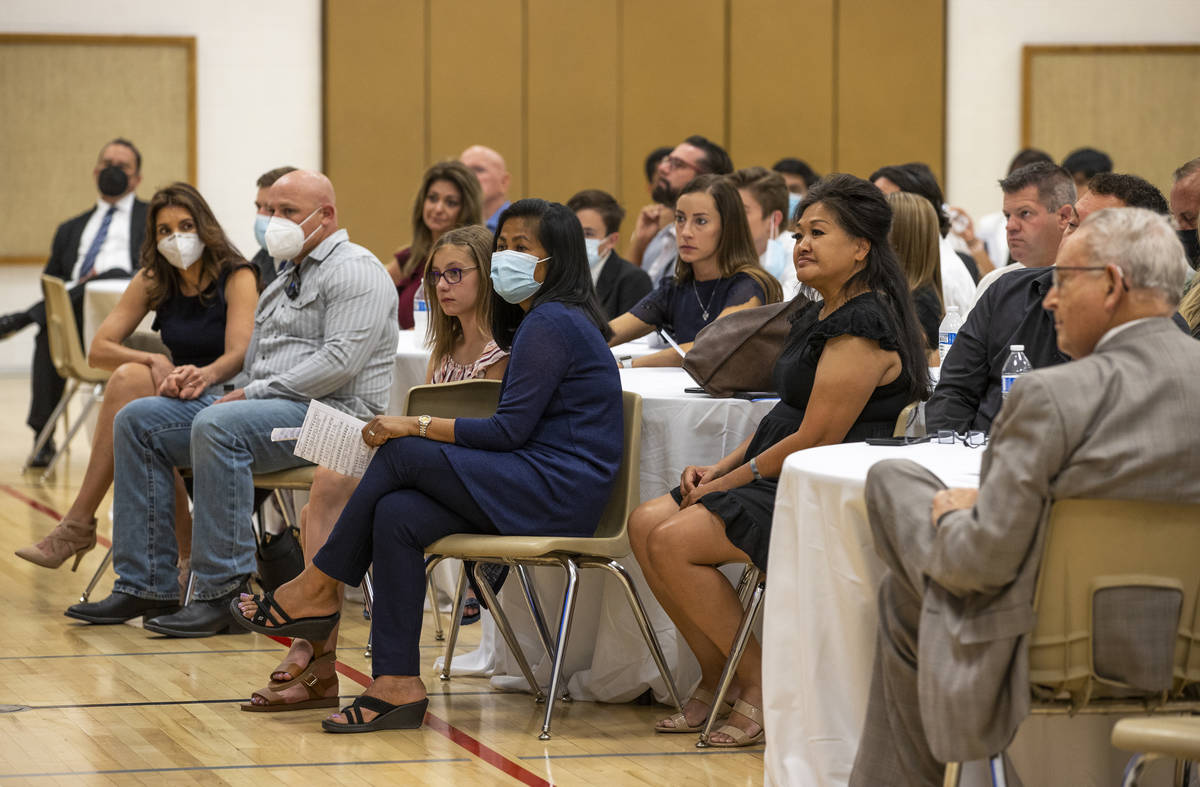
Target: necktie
point(89, 259)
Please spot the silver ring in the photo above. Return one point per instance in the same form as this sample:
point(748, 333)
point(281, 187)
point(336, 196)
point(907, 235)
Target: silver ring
point(371, 432)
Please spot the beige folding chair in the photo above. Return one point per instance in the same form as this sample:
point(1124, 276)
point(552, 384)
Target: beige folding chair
point(602, 550)
point(1153, 738)
point(294, 479)
point(70, 361)
point(907, 418)
point(1105, 563)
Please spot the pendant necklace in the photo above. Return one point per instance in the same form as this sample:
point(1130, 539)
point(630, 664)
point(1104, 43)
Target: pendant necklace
point(700, 303)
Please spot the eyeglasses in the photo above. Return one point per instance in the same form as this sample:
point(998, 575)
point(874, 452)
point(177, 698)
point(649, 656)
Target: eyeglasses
point(293, 283)
point(674, 162)
point(452, 275)
point(1057, 282)
point(970, 439)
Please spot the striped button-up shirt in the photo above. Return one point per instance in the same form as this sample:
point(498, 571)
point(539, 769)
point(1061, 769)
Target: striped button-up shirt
point(335, 341)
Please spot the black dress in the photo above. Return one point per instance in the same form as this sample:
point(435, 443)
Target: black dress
point(747, 510)
point(193, 326)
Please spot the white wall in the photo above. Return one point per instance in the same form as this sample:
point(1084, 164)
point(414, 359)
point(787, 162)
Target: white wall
point(258, 100)
point(984, 40)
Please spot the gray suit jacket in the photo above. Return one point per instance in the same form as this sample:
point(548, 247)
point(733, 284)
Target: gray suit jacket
point(1123, 422)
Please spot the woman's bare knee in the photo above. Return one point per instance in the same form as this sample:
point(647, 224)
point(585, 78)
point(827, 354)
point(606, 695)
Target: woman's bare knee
point(648, 516)
point(130, 381)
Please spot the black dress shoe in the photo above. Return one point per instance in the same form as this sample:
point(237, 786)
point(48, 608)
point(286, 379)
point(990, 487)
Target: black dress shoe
point(42, 458)
point(13, 322)
point(199, 618)
point(120, 607)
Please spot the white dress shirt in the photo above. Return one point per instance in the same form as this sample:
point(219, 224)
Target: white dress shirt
point(114, 253)
point(958, 288)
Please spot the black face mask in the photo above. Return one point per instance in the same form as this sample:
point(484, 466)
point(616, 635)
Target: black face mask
point(1191, 246)
point(113, 181)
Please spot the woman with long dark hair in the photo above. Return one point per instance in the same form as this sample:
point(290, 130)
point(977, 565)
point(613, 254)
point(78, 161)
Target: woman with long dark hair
point(544, 464)
point(203, 293)
point(851, 363)
point(717, 272)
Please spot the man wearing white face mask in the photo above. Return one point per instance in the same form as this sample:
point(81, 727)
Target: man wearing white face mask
point(765, 195)
point(267, 269)
point(323, 330)
point(619, 283)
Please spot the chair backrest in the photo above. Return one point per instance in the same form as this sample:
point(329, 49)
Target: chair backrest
point(66, 351)
point(462, 399)
point(908, 414)
point(627, 489)
point(1138, 559)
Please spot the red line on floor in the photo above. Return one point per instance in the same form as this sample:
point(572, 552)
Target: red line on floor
point(439, 725)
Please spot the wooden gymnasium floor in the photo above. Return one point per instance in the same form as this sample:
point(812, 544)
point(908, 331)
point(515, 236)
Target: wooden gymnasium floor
point(110, 704)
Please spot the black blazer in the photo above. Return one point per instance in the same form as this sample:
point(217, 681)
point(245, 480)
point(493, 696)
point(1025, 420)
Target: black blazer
point(621, 285)
point(64, 252)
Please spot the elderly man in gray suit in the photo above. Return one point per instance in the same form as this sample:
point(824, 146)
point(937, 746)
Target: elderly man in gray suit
point(1122, 420)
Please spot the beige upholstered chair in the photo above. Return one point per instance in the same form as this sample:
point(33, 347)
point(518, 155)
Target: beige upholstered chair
point(70, 361)
point(603, 550)
point(1118, 627)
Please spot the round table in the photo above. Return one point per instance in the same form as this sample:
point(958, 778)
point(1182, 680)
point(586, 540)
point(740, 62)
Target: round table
point(820, 618)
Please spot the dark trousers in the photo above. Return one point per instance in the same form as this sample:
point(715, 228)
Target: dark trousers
point(46, 387)
point(409, 497)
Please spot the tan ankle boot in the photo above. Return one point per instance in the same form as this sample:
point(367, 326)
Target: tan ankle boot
point(68, 538)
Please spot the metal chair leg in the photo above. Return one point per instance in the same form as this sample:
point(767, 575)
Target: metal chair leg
point(560, 644)
point(431, 589)
point(535, 609)
point(369, 603)
point(455, 621)
point(643, 620)
point(87, 408)
point(91, 585)
point(191, 587)
point(744, 632)
point(952, 774)
point(48, 430)
point(506, 631)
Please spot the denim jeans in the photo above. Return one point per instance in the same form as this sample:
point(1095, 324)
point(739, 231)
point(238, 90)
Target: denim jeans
point(224, 445)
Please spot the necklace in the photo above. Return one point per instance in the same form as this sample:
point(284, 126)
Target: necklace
point(700, 303)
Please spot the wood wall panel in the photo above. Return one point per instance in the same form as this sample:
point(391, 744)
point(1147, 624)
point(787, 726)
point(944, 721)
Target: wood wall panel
point(477, 89)
point(1115, 98)
point(375, 116)
point(574, 100)
point(781, 82)
point(672, 83)
point(890, 104)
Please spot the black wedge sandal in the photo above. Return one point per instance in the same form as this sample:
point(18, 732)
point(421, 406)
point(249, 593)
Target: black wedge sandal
point(391, 717)
point(281, 623)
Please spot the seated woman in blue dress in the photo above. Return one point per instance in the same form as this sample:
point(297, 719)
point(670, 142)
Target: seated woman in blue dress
point(717, 272)
point(851, 363)
point(544, 464)
point(203, 294)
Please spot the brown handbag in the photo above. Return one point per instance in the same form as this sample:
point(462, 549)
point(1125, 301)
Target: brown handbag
point(738, 352)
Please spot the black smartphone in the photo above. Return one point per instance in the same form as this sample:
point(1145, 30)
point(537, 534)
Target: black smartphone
point(897, 440)
point(694, 389)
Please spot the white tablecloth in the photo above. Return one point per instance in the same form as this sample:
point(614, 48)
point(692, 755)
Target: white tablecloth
point(820, 620)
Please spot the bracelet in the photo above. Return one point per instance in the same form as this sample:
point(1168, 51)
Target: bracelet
point(754, 468)
point(625, 361)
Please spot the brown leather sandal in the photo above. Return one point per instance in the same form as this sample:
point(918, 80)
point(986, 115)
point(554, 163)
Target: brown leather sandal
point(316, 687)
point(679, 721)
point(740, 737)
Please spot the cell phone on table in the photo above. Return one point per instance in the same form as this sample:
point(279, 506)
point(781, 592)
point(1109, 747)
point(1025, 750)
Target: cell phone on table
point(897, 440)
point(694, 389)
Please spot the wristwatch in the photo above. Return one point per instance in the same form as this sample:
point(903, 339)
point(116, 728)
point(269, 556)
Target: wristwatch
point(754, 468)
point(625, 361)
point(423, 422)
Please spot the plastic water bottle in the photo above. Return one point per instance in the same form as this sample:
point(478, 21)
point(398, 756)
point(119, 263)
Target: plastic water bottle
point(420, 312)
point(948, 330)
point(1016, 365)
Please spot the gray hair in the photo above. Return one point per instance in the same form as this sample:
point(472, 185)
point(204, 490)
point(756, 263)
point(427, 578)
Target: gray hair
point(1142, 244)
point(1188, 169)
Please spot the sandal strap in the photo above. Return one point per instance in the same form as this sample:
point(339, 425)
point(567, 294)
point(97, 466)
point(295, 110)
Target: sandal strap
point(749, 711)
point(737, 734)
point(372, 704)
point(678, 722)
point(267, 607)
point(703, 695)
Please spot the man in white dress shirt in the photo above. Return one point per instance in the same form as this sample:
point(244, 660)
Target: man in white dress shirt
point(102, 242)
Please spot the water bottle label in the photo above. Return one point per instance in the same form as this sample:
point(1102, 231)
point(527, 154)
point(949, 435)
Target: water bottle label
point(420, 306)
point(1006, 383)
point(945, 340)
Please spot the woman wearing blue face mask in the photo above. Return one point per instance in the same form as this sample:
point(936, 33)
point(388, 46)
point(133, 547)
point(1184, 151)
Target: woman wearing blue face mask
point(544, 464)
point(203, 294)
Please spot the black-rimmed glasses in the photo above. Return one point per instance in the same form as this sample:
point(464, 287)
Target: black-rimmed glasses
point(451, 275)
point(971, 439)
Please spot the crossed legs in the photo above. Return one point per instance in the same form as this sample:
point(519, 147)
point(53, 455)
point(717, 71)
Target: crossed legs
point(679, 551)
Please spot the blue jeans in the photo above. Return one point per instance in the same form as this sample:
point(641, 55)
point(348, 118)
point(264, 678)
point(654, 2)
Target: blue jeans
point(224, 445)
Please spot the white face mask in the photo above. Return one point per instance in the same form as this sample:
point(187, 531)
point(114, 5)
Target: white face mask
point(775, 259)
point(285, 238)
point(593, 250)
point(181, 249)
